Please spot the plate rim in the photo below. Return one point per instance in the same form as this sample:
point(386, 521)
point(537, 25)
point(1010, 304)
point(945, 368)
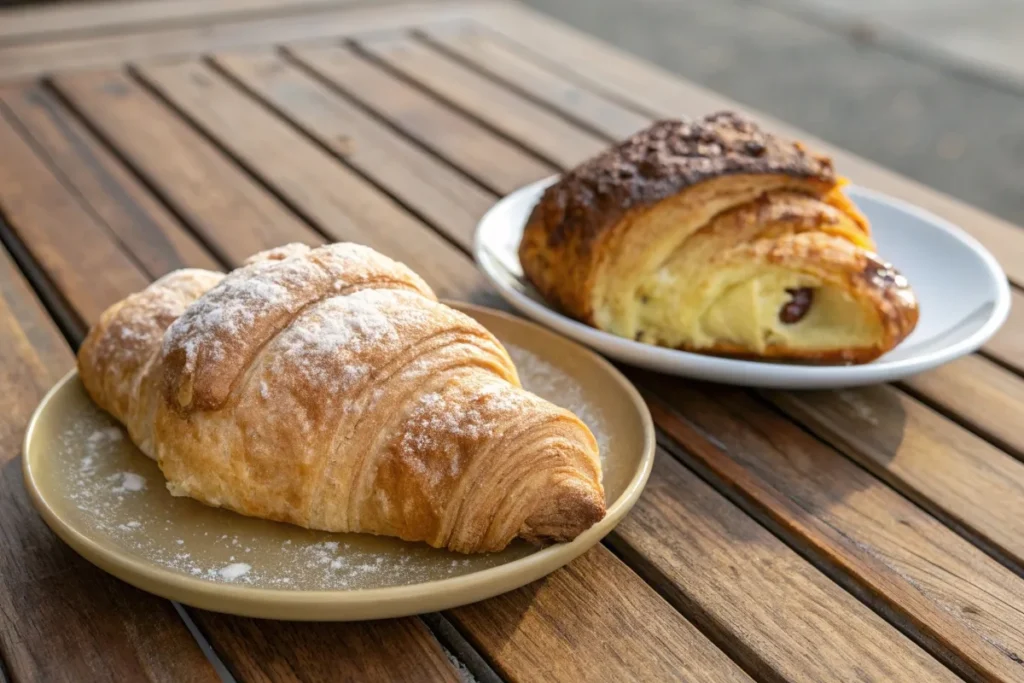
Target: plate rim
point(754, 373)
point(355, 604)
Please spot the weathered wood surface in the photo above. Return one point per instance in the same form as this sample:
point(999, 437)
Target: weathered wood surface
point(871, 534)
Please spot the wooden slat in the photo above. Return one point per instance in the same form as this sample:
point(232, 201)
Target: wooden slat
point(515, 631)
point(50, 597)
point(90, 52)
point(114, 195)
point(531, 125)
point(684, 537)
point(265, 651)
point(81, 260)
point(436, 192)
point(497, 163)
point(193, 177)
point(481, 50)
point(58, 20)
point(639, 83)
point(674, 632)
point(981, 394)
point(964, 606)
point(342, 204)
point(922, 454)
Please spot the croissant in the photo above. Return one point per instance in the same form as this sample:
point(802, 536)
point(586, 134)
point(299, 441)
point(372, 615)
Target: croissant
point(330, 389)
point(714, 236)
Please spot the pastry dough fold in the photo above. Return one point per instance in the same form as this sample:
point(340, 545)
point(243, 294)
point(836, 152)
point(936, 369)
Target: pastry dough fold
point(328, 388)
point(714, 236)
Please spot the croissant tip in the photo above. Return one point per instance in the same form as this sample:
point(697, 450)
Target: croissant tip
point(565, 517)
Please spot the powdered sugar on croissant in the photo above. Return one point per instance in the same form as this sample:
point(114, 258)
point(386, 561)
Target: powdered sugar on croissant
point(328, 388)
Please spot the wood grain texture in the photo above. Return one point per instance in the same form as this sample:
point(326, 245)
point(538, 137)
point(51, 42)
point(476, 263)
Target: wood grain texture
point(433, 190)
point(960, 604)
point(192, 176)
point(486, 52)
point(59, 20)
point(533, 126)
point(265, 651)
point(144, 227)
point(949, 471)
point(341, 203)
point(632, 80)
point(75, 249)
point(61, 619)
point(596, 603)
point(744, 587)
point(500, 165)
point(981, 395)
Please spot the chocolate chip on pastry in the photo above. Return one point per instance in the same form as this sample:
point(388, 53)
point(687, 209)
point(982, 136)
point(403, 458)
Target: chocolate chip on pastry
point(714, 236)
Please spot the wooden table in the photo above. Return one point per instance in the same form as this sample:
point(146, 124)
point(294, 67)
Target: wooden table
point(872, 535)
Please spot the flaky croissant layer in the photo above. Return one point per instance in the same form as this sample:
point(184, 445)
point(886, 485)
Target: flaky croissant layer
point(330, 389)
point(715, 236)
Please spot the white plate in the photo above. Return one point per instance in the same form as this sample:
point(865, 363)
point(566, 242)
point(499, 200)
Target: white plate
point(963, 294)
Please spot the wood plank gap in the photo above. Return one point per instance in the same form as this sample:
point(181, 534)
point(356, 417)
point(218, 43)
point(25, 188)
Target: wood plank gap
point(205, 644)
point(137, 172)
point(70, 324)
point(500, 165)
point(737, 649)
point(424, 38)
point(458, 647)
point(973, 427)
point(1001, 362)
point(47, 159)
point(268, 106)
point(792, 538)
point(412, 83)
point(288, 55)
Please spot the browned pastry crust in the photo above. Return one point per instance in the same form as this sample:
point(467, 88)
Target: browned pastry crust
point(330, 389)
point(626, 212)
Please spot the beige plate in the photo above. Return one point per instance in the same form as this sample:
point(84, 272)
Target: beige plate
point(109, 503)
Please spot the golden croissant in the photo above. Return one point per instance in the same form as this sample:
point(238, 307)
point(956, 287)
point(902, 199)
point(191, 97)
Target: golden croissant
point(714, 236)
point(328, 388)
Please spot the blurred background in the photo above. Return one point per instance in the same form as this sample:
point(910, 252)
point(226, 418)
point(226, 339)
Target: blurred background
point(933, 89)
